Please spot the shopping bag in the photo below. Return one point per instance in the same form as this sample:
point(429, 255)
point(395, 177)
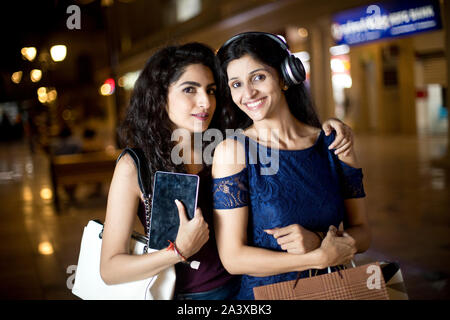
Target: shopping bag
point(393, 278)
point(90, 286)
point(359, 283)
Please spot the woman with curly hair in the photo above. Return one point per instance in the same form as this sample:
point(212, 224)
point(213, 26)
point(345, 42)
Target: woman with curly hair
point(179, 88)
point(176, 89)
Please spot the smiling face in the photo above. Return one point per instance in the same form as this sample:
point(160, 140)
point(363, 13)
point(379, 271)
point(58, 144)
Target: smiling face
point(191, 99)
point(255, 87)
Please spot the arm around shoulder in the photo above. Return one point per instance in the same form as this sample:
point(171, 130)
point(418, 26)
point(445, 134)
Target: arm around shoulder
point(349, 159)
point(356, 222)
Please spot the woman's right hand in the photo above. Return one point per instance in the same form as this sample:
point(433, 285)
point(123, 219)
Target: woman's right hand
point(192, 234)
point(337, 249)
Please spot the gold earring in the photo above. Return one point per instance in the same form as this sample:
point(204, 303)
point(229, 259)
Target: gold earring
point(285, 87)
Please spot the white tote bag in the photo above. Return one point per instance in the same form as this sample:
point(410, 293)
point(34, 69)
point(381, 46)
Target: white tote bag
point(90, 286)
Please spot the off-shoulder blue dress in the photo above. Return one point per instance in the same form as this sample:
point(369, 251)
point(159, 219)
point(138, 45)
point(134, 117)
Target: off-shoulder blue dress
point(284, 187)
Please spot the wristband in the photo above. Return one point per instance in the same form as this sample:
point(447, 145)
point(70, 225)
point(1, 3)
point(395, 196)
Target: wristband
point(193, 264)
point(173, 247)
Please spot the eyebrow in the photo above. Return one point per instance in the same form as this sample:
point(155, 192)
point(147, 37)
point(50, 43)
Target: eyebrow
point(195, 84)
point(252, 72)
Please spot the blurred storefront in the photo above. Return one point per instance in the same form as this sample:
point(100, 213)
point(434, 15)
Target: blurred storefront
point(397, 66)
point(381, 84)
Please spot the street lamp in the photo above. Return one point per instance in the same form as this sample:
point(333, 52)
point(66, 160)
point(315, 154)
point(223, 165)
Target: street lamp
point(58, 52)
point(107, 87)
point(16, 77)
point(46, 95)
point(35, 75)
point(29, 53)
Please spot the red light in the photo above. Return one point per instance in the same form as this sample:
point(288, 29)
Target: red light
point(111, 83)
point(108, 87)
point(421, 93)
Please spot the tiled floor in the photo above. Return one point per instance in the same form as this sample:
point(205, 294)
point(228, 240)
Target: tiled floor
point(408, 203)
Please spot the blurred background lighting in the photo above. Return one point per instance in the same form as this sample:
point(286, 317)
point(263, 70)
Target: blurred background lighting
point(42, 99)
point(45, 248)
point(58, 52)
point(129, 79)
point(110, 81)
point(107, 87)
point(107, 3)
point(337, 65)
point(29, 53)
point(16, 77)
point(35, 75)
point(46, 95)
point(67, 115)
point(27, 194)
point(46, 193)
point(338, 50)
point(110, 149)
point(51, 95)
point(342, 80)
point(105, 90)
point(121, 82)
point(42, 94)
point(302, 32)
point(302, 55)
point(187, 9)
point(42, 91)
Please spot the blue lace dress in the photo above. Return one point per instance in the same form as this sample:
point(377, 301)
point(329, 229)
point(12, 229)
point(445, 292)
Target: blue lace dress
point(284, 187)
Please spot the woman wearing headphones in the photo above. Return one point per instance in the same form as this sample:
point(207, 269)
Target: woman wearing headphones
point(273, 221)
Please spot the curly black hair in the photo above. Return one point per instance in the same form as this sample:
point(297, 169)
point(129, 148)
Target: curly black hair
point(146, 124)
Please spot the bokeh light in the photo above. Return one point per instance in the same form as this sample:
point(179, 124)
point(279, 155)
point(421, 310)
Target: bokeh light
point(46, 193)
point(29, 53)
point(35, 75)
point(58, 52)
point(16, 77)
point(45, 248)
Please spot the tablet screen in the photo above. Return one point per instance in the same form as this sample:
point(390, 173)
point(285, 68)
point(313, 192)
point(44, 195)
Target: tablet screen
point(165, 220)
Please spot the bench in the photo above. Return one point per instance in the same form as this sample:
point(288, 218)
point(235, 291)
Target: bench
point(73, 169)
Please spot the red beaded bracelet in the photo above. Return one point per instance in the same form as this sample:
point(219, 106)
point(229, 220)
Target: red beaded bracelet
point(173, 247)
point(193, 264)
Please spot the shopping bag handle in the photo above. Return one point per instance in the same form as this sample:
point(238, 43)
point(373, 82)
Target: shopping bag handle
point(322, 236)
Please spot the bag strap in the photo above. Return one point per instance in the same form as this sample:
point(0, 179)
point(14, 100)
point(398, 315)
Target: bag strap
point(143, 172)
point(141, 165)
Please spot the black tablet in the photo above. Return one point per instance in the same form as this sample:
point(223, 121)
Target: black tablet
point(164, 221)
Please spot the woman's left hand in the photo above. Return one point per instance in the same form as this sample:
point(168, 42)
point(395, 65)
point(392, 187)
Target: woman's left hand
point(295, 239)
point(343, 143)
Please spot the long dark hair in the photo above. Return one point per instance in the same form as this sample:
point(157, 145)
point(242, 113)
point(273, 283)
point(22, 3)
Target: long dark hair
point(146, 124)
point(267, 51)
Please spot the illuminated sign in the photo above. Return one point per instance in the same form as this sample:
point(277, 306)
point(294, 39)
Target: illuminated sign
point(385, 20)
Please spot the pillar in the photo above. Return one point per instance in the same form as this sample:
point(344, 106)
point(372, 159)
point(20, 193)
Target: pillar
point(320, 76)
